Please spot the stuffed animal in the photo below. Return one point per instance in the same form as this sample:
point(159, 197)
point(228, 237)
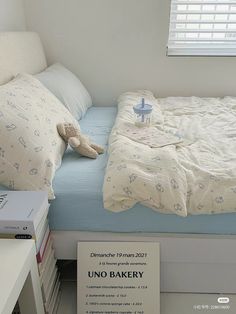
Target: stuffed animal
point(80, 143)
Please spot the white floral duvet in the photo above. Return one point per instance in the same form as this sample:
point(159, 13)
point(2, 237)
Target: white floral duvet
point(195, 176)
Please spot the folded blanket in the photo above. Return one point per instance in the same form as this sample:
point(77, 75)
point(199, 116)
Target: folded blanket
point(194, 176)
point(138, 173)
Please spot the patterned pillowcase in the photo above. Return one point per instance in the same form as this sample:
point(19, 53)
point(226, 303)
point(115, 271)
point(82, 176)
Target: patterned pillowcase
point(30, 146)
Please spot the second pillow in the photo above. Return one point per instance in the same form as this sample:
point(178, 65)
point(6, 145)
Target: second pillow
point(67, 88)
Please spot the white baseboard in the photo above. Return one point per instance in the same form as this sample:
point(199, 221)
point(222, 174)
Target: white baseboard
point(189, 263)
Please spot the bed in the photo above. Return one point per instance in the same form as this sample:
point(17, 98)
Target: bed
point(198, 253)
point(82, 180)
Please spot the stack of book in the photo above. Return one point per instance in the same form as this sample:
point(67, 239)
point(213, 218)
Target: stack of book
point(24, 215)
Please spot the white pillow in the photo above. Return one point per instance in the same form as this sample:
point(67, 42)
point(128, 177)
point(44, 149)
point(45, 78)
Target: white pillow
point(67, 88)
point(30, 146)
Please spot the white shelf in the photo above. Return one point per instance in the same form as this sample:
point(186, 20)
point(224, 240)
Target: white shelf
point(19, 277)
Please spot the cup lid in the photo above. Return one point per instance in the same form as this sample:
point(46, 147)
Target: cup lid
point(142, 108)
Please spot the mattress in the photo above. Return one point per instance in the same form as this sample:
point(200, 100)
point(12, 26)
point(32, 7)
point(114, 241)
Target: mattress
point(79, 200)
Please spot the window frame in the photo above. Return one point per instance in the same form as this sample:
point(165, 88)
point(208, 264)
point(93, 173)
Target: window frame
point(211, 49)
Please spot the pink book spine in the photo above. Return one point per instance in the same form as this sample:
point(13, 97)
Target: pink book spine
point(42, 249)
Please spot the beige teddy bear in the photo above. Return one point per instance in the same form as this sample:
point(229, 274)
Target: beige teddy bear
point(80, 143)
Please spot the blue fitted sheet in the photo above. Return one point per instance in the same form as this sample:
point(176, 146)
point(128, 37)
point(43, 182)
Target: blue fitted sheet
point(79, 205)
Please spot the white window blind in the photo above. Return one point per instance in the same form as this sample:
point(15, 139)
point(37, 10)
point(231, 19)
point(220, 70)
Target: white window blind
point(202, 27)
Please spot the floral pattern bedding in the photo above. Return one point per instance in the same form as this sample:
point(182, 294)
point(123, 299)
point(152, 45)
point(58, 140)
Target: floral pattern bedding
point(195, 176)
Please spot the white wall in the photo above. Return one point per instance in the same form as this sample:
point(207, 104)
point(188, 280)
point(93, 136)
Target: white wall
point(120, 45)
point(12, 16)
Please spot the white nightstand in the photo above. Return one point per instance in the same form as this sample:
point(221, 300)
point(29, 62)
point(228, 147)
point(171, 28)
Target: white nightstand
point(19, 277)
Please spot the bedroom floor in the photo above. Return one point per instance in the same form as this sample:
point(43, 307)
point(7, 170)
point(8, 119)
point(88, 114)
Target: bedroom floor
point(171, 303)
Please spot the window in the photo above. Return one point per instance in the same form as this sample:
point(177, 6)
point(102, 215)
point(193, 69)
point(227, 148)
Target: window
point(202, 28)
